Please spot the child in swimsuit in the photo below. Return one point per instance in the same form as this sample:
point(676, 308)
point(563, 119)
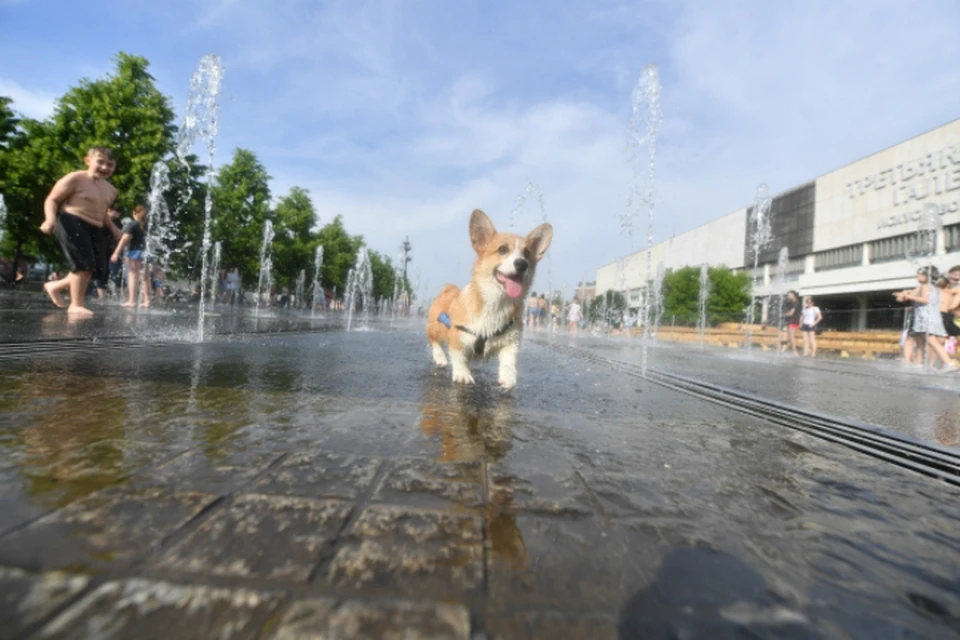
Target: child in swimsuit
point(76, 210)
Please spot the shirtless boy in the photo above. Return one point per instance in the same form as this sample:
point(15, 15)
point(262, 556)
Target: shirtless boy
point(82, 200)
point(950, 302)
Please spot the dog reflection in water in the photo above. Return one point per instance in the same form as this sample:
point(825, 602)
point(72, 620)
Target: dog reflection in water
point(474, 424)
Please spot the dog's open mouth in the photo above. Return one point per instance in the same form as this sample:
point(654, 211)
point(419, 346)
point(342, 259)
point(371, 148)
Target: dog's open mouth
point(511, 284)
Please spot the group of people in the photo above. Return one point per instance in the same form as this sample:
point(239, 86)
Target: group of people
point(540, 312)
point(934, 316)
point(804, 319)
point(80, 211)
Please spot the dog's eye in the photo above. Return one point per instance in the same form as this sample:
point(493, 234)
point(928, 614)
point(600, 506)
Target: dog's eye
point(503, 250)
point(526, 253)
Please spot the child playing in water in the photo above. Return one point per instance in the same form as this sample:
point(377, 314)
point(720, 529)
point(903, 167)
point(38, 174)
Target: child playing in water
point(75, 211)
point(133, 240)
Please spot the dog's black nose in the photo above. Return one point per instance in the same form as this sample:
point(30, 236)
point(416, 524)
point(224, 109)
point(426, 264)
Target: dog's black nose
point(520, 265)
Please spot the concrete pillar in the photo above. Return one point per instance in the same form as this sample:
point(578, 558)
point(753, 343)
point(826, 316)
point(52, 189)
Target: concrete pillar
point(941, 243)
point(766, 275)
point(808, 264)
point(764, 309)
point(866, 254)
point(860, 319)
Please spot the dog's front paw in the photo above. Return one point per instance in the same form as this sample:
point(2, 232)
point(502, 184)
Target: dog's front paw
point(463, 377)
point(439, 357)
point(507, 382)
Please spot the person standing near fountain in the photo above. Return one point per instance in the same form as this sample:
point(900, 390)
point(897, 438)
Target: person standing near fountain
point(927, 328)
point(113, 273)
point(574, 315)
point(811, 318)
point(76, 211)
point(134, 241)
point(950, 301)
point(791, 318)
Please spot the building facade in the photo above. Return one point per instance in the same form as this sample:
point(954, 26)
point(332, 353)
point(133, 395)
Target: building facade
point(851, 237)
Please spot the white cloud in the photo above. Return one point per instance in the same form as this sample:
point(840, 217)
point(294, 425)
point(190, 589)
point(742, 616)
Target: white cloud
point(33, 104)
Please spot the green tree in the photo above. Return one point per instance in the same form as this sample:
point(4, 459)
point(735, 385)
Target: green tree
point(339, 253)
point(124, 111)
point(8, 121)
point(241, 205)
point(608, 307)
point(407, 248)
point(681, 295)
point(294, 220)
point(186, 199)
point(27, 172)
point(729, 295)
point(384, 275)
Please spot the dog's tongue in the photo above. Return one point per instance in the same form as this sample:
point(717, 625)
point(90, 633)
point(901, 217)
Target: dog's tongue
point(512, 286)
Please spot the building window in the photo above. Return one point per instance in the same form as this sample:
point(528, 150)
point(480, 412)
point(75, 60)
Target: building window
point(951, 237)
point(791, 223)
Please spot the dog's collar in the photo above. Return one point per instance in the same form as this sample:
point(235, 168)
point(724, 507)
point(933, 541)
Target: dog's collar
point(481, 341)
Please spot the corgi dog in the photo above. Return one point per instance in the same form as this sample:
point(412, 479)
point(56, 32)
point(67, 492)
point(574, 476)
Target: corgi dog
point(486, 316)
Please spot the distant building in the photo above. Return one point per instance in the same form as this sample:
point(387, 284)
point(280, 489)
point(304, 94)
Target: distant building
point(848, 234)
point(585, 291)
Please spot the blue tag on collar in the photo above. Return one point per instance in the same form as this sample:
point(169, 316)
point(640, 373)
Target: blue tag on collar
point(445, 319)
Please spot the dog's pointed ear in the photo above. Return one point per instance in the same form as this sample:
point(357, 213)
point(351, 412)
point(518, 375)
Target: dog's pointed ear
point(481, 230)
point(539, 239)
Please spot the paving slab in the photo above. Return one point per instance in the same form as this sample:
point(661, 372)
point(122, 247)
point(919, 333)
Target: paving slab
point(209, 471)
point(431, 484)
point(278, 538)
point(323, 618)
point(155, 609)
point(26, 599)
point(391, 551)
point(108, 528)
point(320, 475)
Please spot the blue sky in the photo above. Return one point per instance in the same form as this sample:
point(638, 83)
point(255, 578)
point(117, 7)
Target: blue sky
point(405, 116)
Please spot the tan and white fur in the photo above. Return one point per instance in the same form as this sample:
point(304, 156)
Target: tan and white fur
point(491, 306)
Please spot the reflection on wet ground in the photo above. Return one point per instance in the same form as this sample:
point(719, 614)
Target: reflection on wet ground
point(30, 317)
point(267, 486)
point(921, 404)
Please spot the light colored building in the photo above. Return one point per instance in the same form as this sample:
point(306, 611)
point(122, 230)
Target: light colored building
point(851, 234)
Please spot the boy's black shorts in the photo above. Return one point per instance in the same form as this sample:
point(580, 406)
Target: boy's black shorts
point(83, 245)
point(949, 324)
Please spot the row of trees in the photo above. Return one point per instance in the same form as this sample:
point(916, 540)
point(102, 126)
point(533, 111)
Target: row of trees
point(125, 111)
point(729, 296)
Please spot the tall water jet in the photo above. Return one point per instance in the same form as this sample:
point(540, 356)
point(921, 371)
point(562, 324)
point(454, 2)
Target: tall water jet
point(530, 192)
point(159, 229)
point(702, 302)
point(921, 251)
point(301, 280)
point(780, 289)
point(215, 272)
point(656, 312)
point(359, 283)
point(317, 287)
point(760, 237)
point(3, 216)
point(266, 263)
point(200, 122)
point(644, 124)
point(417, 293)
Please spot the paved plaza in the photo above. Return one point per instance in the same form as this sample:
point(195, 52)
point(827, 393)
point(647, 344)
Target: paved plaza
point(315, 483)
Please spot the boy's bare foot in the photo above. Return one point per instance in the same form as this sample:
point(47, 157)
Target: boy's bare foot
point(54, 294)
point(79, 312)
point(127, 304)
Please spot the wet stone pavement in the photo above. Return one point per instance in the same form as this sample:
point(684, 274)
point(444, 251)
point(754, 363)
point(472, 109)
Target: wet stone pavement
point(335, 485)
